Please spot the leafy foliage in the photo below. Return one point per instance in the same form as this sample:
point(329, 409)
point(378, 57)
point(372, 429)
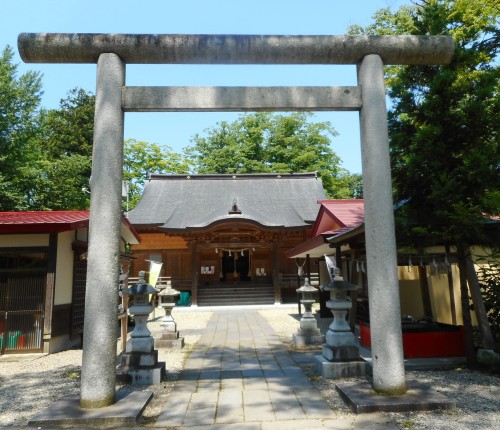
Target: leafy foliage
point(444, 130)
point(444, 123)
point(142, 158)
point(45, 161)
point(60, 184)
point(263, 142)
point(19, 130)
point(70, 128)
point(60, 177)
point(489, 279)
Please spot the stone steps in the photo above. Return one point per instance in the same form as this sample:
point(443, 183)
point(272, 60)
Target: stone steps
point(226, 294)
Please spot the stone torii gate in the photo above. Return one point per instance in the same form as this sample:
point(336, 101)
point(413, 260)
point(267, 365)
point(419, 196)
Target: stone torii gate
point(112, 52)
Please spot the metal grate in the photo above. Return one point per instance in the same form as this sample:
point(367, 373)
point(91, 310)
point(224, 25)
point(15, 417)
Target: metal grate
point(21, 311)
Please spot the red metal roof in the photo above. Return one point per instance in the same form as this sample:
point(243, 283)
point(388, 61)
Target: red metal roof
point(42, 221)
point(335, 219)
point(335, 214)
point(350, 213)
point(53, 221)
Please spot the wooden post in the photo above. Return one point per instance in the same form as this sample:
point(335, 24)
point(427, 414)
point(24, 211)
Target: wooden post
point(276, 272)
point(299, 305)
point(50, 286)
point(451, 291)
point(194, 274)
point(477, 299)
point(424, 290)
point(354, 278)
point(124, 324)
point(470, 352)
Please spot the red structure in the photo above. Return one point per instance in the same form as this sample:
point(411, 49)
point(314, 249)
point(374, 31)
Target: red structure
point(434, 341)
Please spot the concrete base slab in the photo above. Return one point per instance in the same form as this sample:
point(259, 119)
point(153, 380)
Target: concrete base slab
point(68, 413)
point(361, 398)
point(340, 369)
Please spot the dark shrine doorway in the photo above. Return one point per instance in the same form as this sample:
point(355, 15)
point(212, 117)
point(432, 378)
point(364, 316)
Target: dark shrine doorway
point(235, 266)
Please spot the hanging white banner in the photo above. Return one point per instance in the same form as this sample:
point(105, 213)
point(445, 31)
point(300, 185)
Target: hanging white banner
point(154, 272)
point(330, 264)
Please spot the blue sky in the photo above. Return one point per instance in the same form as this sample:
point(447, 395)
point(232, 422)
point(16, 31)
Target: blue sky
point(287, 17)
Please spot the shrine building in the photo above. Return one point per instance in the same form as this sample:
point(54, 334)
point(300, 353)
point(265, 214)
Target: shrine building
point(222, 237)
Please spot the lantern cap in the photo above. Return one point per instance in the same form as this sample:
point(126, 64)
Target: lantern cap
point(141, 287)
point(138, 288)
point(307, 287)
point(338, 283)
point(169, 291)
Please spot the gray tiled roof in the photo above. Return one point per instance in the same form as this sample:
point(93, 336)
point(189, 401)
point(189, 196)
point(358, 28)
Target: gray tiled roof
point(174, 202)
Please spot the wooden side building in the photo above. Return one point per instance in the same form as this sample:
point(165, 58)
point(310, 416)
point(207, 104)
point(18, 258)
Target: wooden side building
point(43, 273)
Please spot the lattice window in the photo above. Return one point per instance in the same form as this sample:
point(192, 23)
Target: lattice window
point(79, 287)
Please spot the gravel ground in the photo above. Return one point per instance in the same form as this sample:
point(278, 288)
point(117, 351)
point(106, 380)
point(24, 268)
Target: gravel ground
point(477, 394)
point(28, 386)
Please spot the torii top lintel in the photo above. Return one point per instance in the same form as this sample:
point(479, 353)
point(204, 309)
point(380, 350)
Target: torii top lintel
point(232, 49)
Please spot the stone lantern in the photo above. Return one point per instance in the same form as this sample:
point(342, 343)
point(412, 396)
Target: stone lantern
point(340, 357)
point(140, 363)
point(308, 332)
point(169, 336)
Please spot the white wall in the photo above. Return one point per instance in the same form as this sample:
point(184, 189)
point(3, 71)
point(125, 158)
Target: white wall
point(64, 271)
point(18, 240)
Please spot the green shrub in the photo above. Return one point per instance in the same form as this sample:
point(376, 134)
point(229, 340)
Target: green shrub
point(489, 279)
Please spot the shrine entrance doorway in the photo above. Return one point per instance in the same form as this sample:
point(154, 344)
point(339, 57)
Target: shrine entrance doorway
point(235, 264)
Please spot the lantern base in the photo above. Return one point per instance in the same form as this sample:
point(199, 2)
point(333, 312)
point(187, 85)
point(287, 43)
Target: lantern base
point(307, 338)
point(140, 345)
point(141, 366)
point(169, 340)
point(342, 353)
point(340, 369)
point(141, 375)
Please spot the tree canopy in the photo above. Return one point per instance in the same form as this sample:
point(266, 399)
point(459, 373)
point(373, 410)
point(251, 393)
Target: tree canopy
point(142, 158)
point(264, 142)
point(46, 155)
point(65, 167)
point(70, 129)
point(19, 130)
point(444, 123)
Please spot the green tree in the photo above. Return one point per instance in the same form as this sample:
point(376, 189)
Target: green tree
point(489, 277)
point(444, 128)
point(263, 142)
point(19, 130)
point(349, 185)
point(71, 127)
point(60, 184)
point(59, 178)
point(142, 158)
point(444, 121)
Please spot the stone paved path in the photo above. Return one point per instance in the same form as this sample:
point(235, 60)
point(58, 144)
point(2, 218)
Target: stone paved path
point(241, 376)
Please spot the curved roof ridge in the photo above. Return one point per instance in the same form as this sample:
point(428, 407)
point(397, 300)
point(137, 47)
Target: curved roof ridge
point(227, 176)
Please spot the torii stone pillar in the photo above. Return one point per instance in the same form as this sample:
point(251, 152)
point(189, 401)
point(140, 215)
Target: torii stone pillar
point(381, 255)
point(103, 269)
point(112, 51)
